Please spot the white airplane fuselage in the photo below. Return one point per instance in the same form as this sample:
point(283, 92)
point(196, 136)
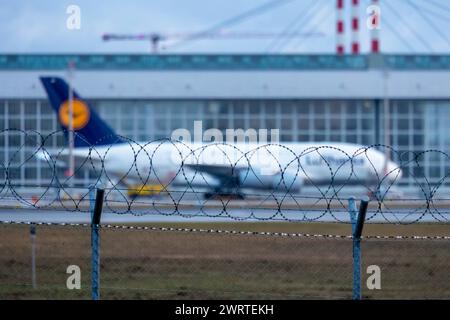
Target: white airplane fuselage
point(256, 165)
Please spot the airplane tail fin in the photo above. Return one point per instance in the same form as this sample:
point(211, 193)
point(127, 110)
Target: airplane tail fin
point(89, 128)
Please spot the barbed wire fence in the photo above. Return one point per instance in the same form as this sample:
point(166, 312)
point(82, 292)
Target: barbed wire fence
point(179, 244)
point(172, 263)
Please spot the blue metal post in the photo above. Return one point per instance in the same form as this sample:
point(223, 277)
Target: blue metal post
point(33, 255)
point(356, 268)
point(356, 250)
point(95, 204)
point(357, 220)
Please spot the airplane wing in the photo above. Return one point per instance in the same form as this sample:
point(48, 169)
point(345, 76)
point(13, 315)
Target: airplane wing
point(244, 177)
point(216, 170)
point(228, 176)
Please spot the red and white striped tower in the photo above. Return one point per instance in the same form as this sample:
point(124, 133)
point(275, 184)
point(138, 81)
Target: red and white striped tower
point(340, 27)
point(374, 30)
point(355, 26)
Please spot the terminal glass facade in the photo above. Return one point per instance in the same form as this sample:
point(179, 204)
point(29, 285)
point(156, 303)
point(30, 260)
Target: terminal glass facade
point(415, 125)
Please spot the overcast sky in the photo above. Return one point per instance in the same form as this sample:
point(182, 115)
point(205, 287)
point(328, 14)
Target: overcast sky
point(29, 26)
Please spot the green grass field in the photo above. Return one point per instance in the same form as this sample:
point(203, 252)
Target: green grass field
point(188, 265)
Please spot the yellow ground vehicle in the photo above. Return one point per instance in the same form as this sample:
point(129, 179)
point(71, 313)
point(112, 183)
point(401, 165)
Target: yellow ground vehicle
point(147, 190)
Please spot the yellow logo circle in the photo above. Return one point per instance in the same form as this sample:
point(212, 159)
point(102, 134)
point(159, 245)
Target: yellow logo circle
point(80, 112)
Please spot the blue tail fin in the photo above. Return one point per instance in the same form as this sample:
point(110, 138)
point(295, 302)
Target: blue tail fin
point(89, 128)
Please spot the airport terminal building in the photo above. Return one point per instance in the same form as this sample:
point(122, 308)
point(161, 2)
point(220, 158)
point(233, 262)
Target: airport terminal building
point(311, 98)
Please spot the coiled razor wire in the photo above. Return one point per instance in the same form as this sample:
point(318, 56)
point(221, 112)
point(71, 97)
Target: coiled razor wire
point(183, 186)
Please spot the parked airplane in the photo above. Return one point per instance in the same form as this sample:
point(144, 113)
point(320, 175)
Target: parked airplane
point(220, 169)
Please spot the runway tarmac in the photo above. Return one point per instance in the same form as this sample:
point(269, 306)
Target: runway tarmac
point(216, 215)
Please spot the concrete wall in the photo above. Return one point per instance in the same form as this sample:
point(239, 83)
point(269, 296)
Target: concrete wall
point(236, 84)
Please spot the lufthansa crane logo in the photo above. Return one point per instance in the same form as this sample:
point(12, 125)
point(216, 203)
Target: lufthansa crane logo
point(80, 113)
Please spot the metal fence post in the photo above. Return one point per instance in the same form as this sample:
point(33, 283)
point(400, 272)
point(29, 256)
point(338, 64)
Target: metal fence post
point(356, 247)
point(33, 254)
point(357, 226)
point(96, 204)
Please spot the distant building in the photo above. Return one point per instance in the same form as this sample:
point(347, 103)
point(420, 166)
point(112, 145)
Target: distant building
point(308, 97)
